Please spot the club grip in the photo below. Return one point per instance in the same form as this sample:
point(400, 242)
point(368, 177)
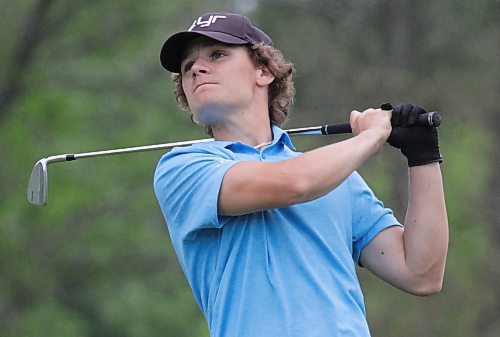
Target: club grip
point(336, 129)
point(432, 119)
point(429, 119)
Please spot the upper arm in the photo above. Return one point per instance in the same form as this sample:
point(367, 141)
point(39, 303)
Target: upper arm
point(187, 182)
point(251, 186)
point(384, 256)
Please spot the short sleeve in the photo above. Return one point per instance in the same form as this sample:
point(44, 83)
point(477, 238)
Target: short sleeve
point(369, 216)
point(187, 184)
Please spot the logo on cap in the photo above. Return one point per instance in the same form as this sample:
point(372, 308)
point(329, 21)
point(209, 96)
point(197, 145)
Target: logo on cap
point(205, 23)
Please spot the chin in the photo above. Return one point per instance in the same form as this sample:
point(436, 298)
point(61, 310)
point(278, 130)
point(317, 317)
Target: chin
point(211, 114)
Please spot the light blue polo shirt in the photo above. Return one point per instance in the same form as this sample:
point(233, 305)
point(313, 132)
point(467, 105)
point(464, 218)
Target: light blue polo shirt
point(280, 272)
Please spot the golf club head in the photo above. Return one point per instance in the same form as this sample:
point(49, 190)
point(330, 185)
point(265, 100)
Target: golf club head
point(38, 192)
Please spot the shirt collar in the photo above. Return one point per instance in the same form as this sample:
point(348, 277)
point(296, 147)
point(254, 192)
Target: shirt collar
point(279, 136)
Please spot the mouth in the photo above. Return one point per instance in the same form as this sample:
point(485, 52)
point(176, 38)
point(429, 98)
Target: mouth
point(201, 84)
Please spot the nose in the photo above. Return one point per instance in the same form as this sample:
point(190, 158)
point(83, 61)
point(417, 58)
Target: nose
point(199, 67)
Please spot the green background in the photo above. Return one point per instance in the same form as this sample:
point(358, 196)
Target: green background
point(78, 76)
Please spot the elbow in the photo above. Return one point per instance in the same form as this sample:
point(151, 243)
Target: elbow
point(299, 191)
point(301, 184)
point(294, 191)
point(303, 187)
point(426, 287)
point(429, 290)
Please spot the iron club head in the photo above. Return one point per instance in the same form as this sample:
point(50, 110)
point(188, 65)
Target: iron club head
point(38, 192)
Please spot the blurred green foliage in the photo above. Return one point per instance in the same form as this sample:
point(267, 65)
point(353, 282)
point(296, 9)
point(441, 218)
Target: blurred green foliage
point(82, 76)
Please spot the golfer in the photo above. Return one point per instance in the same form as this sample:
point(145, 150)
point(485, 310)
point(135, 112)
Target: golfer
point(269, 237)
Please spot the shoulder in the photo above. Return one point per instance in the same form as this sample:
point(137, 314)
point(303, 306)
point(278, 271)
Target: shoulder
point(181, 156)
point(356, 183)
point(199, 161)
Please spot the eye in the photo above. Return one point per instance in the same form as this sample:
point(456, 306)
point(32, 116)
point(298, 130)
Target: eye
point(217, 54)
point(187, 66)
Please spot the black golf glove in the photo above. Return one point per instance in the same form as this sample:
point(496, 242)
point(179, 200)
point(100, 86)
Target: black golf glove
point(419, 144)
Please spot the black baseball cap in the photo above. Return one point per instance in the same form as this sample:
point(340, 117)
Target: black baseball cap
point(224, 27)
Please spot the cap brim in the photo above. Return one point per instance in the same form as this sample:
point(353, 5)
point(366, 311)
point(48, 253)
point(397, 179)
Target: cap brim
point(173, 49)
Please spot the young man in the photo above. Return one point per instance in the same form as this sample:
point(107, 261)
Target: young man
point(269, 237)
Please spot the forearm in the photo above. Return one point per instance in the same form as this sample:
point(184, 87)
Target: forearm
point(319, 171)
point(253, 186)
point(426, 225)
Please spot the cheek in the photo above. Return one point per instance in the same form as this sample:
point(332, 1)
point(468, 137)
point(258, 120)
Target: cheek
point(185, 91)
point(183, 86)
point(245, 80)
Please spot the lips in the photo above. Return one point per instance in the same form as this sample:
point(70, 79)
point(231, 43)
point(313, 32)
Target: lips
point(201, 84)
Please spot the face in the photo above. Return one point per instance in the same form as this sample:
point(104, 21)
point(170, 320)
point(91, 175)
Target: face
point(217, 79)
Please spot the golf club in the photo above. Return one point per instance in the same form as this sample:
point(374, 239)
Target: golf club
point(38, 186)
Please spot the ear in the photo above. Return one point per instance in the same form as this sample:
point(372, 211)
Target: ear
point(264, 76)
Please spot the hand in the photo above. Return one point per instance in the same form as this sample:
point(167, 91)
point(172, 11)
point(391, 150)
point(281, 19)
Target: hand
point(372, 121)
point(419, 144)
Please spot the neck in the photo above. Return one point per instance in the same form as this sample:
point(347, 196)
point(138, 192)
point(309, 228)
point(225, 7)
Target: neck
point(248, 133)
point(247, 122)
point(250, 128)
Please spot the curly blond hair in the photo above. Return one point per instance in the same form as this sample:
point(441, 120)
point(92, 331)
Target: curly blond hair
point(281, 90)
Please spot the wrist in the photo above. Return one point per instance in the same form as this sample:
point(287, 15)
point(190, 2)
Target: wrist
point(419, 157)
point(374, 138)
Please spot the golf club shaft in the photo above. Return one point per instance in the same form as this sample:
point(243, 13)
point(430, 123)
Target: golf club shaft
point(328, 129)
point(430, 119)
point(38, 192)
